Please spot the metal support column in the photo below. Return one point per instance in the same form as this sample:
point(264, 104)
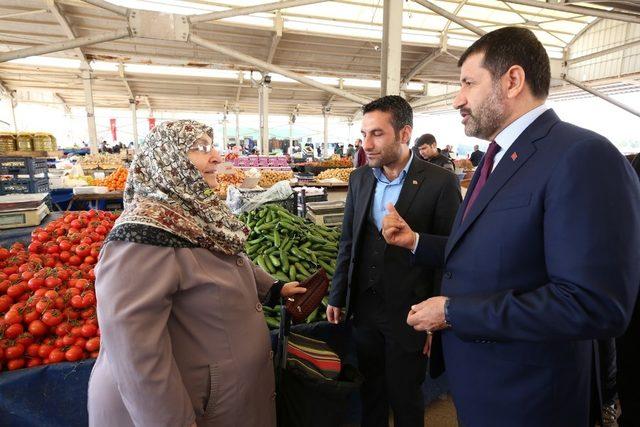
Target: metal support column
point(12, 104)
point(391, 48)
point(601, 95)
point(91, 120)
point(325, 140)
point(263, 95)
point(134, 121)
point(238, 127)
point(225, 138)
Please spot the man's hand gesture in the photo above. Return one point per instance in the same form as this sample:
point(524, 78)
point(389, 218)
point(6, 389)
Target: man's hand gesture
point(396, 231)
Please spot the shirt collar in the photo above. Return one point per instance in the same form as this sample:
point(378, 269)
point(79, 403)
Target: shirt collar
point(380, 176)
point(507, 137)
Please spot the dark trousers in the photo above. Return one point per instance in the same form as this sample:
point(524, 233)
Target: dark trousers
point(393, 376)
point(628, 352)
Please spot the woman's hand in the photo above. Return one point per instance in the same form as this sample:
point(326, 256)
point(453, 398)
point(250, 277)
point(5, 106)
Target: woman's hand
point(291, 289)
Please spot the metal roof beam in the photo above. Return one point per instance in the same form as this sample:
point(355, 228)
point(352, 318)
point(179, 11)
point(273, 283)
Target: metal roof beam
point(54, 8)
point(126, 83)
point(239, 11)
point(276, 69)
point(451, 17)
point(601, 95)
point(603, 52)
point(579, 10)
point(118, 10)
point(26, 12)
point(419, 66)
point(278, 26)
point(433, 100)
point(63, 45)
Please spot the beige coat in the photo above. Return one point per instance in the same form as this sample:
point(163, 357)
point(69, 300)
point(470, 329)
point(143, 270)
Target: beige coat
point(183, 340)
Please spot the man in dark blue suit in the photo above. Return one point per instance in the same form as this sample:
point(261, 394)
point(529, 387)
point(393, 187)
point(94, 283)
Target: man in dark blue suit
point(544, 254)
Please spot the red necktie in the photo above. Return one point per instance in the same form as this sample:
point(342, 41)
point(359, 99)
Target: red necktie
point(484, 175)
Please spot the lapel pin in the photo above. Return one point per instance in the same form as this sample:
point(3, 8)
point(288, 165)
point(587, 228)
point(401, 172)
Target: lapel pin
point(415, 182)
point(514, 156)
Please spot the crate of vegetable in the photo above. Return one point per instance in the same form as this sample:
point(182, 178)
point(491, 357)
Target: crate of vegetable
point(290, 248)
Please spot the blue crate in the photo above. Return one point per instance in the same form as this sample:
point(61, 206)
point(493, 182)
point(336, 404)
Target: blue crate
point(24, 186)
point(24, 166)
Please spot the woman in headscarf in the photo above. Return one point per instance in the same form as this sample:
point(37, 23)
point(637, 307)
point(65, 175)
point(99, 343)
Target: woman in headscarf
point(184, 340)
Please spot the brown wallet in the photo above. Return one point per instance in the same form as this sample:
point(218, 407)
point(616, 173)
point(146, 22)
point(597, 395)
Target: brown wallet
point(300, 306)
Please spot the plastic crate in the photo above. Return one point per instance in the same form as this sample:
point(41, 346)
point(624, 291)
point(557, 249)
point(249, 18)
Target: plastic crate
point(290, 203)
point(22, 186)
point(24, 166)
point(303, 199)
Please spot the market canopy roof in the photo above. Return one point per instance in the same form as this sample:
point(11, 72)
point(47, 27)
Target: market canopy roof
point(337, 43)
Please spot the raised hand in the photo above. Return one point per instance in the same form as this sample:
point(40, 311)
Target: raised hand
point(396, 231)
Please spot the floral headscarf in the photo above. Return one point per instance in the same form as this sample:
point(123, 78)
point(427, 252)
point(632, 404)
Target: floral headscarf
point(166, 191)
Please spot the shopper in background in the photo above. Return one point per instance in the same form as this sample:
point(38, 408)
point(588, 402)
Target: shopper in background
point(427, 148)
point(448, 151)
point(184, 339)
point(544, 255)
point(359, 158)
point(476, 156)
point(376, 283)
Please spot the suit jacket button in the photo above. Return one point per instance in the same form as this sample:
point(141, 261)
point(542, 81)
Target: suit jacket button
point(447, 275)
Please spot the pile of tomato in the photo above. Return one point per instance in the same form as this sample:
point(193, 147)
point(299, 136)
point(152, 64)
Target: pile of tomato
point(47, 296)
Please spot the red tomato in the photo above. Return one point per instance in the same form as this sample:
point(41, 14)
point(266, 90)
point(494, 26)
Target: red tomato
point(56, 356)
point(73, 354)
point(94, 354)
point(34, 361)
point(76, 331)
point(70, 313)
point(51, 282)
point(14, 352)
point(43, 305)
point(13, 330)
point(89, 299)
point(38, 328)
point(4, 253)
point(83, 250)
point(52, 317)
point(88, 313)
point(29, 315)
point(93, 344)
point(25, 339)
point(76, 302)
point(81, 284)
point(5, 303)
point(12, 317)
point(64, 245)
point(44, 350)
point(12, 365)
point(35, 283)
point(63, 329)
point(33, 350)
point(90, 260)
point(26, 275)
point(16, 291)
point(68, 340)
point(89, 331)
point(51, 294)
point(35, 247)
point(75, 260)
point(43, 236)
point(81, 342)
point(65, 256)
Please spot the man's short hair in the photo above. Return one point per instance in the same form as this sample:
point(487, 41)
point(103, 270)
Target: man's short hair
point(401, 111)
point(509, 46)
point(427, 138)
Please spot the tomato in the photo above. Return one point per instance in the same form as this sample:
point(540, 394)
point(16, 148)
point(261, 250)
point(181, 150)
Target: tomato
point(64, 245)
point(29, 315)
point(52, 248)
point(90, 260)
point(101, 229)
point(25, 339)
point(76, 302)
point(73, 354)
point(14, 351)
point(44, 350)
point(94, 354)
point(81, 342)
point(14, 330)
point(35, 247)
point(76, 331)
point(43, 305)
point(51, 282)
point(43, 236)
point(56, 356)
point(83, 250)
point(26, 275)
point(89, 299)
point(68, 340)
point(88, 313)
point(51, 294)
point(33, 350)
point(75, 260)
point(93, 344)
point(65, 256)
point(59, 303)
point(35, 283)
point(4, 285)
point(70, 313)
point(5, 303)
point(63, 329)
point(76, 224)
point(89, 331)
point(16, 291)
point(12, 317)
point(52, 317)
point(12, 365)
point(4, 253)
point(38, 328)
point(34, 361)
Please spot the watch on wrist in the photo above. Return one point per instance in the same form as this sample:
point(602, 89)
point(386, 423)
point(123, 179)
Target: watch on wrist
point(447, 322)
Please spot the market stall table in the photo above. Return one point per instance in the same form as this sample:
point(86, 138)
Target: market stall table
point(96, 198)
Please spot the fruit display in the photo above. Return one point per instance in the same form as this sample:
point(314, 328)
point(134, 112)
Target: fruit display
point(101, 161)
point(270, 177)
point(116, 181)
point(225, 180)
point(341, 174)
point(334, 162)
point(47, 297)
point(290, 248)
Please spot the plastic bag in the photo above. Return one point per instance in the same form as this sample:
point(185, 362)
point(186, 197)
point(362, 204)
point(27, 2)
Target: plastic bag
point(240, 202)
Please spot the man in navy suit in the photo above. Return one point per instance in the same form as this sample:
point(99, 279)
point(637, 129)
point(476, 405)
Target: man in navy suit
point(544, 254)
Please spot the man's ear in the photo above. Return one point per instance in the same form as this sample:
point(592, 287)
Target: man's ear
point(515, 81)
point(405, 134)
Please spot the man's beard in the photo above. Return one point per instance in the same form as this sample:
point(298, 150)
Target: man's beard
point(487, 117)
point(388, 155)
